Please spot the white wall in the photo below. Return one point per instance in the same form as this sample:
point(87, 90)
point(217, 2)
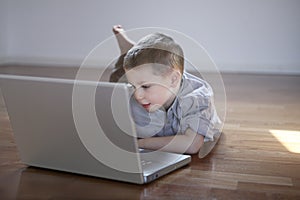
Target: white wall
point(3, 30)
point(240, 35)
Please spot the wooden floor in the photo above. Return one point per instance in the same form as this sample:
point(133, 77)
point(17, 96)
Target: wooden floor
point(257, 157)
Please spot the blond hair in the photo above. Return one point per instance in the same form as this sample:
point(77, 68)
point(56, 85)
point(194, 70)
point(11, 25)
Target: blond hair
point(156, 48)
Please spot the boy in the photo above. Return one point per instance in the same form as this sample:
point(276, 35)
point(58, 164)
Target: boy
point(172, 109)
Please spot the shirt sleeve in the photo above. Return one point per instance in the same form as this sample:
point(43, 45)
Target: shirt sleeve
point(147, 124)
point(199, 114)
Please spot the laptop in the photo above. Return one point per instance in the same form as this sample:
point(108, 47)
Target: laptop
point(82, 127)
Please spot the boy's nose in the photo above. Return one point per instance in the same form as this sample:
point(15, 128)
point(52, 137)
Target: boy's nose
point(139, 93)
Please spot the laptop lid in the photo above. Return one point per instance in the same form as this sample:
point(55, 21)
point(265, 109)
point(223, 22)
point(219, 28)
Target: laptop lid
point(77, 126)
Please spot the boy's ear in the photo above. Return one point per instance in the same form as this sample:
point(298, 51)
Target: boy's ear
point(175, 78)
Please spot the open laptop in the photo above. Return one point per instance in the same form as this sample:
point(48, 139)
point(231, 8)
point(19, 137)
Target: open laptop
point(81, 127)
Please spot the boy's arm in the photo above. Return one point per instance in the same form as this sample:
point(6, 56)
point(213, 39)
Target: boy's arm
point(189, 143)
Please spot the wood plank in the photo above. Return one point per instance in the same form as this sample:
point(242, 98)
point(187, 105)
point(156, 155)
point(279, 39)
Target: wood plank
point(249, 162)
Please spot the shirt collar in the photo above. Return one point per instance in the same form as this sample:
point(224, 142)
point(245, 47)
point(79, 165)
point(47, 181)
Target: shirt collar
point(175, 102)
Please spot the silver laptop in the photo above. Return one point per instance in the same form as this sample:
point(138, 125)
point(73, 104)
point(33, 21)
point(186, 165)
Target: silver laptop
point(81, 127)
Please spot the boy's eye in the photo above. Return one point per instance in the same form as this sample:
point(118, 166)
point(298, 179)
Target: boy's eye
point(145, 86)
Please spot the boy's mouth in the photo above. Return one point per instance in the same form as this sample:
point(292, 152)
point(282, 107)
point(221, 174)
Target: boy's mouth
point(146, 106)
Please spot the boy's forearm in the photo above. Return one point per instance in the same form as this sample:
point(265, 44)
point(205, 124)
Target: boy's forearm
point(160, 143)
point(188, 143)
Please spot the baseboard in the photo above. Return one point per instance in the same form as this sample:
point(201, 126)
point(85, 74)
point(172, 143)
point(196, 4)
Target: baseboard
point(64, 63)
point(41, 61)
point(288, 69)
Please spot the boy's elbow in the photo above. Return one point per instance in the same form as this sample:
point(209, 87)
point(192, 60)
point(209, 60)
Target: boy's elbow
point(196, 145)
point(197, 141)
point(193, 149)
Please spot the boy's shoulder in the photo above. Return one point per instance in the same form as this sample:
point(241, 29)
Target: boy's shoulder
point(193, 85)
point(195, 93)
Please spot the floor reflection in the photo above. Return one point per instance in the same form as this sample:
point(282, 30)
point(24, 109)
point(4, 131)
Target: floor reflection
point(37, 183)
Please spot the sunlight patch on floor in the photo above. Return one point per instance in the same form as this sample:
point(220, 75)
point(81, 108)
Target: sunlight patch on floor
point(289, 139)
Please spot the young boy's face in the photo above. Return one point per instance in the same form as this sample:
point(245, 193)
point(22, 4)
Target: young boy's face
point(151, 91)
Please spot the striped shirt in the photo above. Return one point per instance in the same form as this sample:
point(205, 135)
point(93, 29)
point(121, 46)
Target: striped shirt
point(192, 108)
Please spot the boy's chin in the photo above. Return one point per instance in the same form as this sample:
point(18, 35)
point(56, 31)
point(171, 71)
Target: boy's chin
point(154, 108)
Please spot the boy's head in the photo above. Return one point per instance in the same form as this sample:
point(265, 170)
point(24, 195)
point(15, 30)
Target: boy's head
point(154, 66)
point(156, 48)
